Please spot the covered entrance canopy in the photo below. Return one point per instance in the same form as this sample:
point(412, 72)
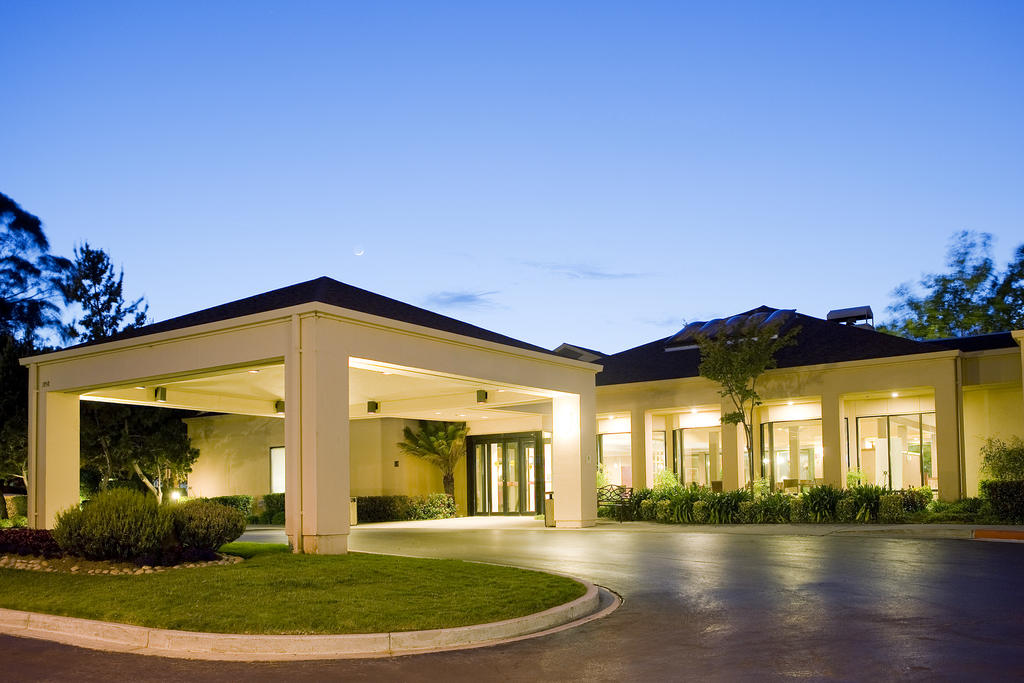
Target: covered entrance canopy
point(319, 354)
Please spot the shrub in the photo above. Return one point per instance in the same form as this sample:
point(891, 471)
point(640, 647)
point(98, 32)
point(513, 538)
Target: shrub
point(682, 503)
point(771, 509)
point(434, 506)
point(29, 542)
point(636, 504)
point(890, 509)
point(866, 500)
point(663, 510)
point(747, 512)
point(17, 506)
point(1006, 499)
point(915, 499)
point(647, 509)
point(666, 483)
point(18, 522)
point(854, 477)
point(820, 503)
point(241, 503)
point(846, 509)
point(382, 508)
point(271, 508)
point(723, 508)
point(762, 487)
point(700, 512)
point(119, 524)
point(1003, 460)
point(797, 510)
point(205, 525)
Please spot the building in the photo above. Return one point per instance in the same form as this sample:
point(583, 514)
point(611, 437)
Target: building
point(307, 390)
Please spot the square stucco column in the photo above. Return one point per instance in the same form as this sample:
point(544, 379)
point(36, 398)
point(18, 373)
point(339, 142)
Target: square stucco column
point(948, 414)
point(831, 439)
point(731, 454)
point(574, 466)
point(316, 438)
point(53, 455)
point(640, 432)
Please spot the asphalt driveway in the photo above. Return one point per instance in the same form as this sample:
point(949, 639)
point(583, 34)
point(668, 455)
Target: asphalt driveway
point(720, 606)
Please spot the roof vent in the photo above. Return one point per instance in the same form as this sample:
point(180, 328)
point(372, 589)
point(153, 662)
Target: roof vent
point(858, 316)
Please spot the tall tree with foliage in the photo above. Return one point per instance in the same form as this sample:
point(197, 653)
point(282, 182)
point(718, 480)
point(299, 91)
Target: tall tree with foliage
point(13, 414)
point(972, 297)
point(124, 442)
point(736, 360)
point(29, 274)
point(92, 284)
point(442, 444)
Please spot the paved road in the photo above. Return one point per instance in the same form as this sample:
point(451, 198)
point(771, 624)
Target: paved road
point(697, 605)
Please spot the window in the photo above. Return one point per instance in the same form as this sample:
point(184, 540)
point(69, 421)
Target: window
point(898, 451)
point(277, 469)
point(658, 456)
point(791, 454)
point(697, 458)
point(614, 453)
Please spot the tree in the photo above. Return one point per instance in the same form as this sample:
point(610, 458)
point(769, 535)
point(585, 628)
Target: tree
point(14, 413)
point(736, 360)
point(441, 443)
point(28, 274)
point(92, 284)
point(973, 297)
point(123, 442)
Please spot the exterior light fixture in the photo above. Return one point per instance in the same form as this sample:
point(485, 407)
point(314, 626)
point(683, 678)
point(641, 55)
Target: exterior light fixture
point(693, 411)
point(481, 396)
point(437, 412)
point(160, 394)
point(143, 388)
point(372, 406)
point(789, 403)
point(279, 407)
point(175, 494)
point(254, 372)
point(895, 394)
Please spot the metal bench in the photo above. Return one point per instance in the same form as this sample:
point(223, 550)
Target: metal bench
point(614, 496)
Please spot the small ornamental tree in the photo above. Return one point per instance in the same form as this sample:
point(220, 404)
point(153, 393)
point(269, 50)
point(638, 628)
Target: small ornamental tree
point(441, 443)
point(736, 360)
point(1003, 460)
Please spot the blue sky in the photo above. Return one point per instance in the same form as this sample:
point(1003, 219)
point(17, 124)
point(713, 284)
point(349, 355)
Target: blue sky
point(592, 172)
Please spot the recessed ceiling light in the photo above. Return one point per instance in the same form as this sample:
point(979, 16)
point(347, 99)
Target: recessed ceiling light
point(140, 387)
point(895, 394)
point(789, 403)
point(693, 411)
point(254, 372)
point(483, 417)
point(437, 413)
point(386, 372)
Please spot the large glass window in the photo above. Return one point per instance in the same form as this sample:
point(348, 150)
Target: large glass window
point(898, 451)
point(658, 447)
point(615, 454)
point(791, 454)
point(697, 455)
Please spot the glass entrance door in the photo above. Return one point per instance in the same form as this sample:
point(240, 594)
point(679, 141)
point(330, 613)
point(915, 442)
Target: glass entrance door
point(505, 472)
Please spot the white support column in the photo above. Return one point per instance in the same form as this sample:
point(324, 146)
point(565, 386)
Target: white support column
point(574, 461)
point(831, 439)
point(731, 453)
point(948, 445)
point(53, 454)
point(317, 438)
point(639, 435)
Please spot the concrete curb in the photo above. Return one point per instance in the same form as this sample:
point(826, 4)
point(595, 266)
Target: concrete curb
point(111, 637)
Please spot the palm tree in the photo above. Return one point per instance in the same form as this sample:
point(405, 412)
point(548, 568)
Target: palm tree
point(441, 443)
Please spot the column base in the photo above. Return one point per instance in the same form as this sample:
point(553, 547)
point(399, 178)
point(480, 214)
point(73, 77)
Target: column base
point(327, 544)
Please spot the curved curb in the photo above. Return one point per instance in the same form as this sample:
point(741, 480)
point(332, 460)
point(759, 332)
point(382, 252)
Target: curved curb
point(112, 637)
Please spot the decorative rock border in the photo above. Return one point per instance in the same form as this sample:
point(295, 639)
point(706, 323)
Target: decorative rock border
point(41, 564)
point(101, 635)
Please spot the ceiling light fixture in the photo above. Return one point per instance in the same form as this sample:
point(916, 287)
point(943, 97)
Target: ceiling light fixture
point(254, 372)
point(895, 394)
point(693, 411)
point(160, 394)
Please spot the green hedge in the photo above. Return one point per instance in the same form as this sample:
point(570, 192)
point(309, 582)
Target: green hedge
point(241, 503)
point(17, 505)
point(1006, 499)
point(400, 508)
point(205, 525)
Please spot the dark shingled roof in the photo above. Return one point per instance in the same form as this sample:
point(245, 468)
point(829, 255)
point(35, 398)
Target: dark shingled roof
point(334, 293)
point(817, 342)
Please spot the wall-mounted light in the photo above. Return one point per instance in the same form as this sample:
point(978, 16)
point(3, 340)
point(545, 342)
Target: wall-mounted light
point(160, 394)
point(481, 396)
point(372, 406)
point(279, 407)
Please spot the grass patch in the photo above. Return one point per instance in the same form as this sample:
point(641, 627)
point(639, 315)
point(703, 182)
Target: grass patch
point(274, 591)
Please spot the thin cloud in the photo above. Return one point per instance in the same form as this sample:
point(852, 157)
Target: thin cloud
point(461, 299)
point(578, 271)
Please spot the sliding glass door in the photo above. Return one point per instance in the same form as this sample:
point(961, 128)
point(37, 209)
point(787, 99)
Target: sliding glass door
point(506, 474)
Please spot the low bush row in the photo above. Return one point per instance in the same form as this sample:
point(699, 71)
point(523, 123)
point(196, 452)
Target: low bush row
point(28, 542)
point(269, 509)
point(400, 508)
point(18, 522)
point(126, 525)
point(1001, 502)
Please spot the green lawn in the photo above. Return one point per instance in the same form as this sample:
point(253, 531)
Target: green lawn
point(274, 591)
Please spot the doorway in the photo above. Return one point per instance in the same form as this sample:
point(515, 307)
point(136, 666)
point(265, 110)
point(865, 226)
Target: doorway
point(505, 474)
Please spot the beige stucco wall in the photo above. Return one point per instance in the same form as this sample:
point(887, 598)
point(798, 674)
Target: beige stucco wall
point(989, 412)
point(234, 458)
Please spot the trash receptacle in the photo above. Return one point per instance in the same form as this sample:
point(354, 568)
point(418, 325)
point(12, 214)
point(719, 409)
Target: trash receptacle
point(549, 509)
point(353, 517)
